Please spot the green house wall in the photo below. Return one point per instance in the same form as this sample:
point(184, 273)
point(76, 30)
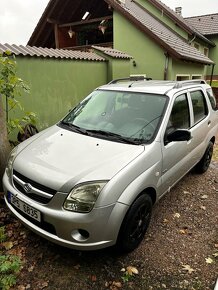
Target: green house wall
point(148, 57)
point(163, 18)
point(213, 54)
point(57, 85)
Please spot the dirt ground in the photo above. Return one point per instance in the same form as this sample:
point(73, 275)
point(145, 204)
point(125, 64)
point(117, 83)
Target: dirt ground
point(179, 251)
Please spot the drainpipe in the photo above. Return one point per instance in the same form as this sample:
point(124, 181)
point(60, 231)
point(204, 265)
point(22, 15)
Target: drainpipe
point(166, 66)
point(190, 41)
point(211, 76)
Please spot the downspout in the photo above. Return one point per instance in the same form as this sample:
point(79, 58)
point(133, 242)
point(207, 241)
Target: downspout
point(211, 76)
point(190, 41)
point(166, 66)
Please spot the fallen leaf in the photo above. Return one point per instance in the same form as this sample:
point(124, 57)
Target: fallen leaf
point(165, 221)
point(44, 285)
point(123, 270)
point(182, 231)
point(21, 287)
point(8, 245)
point(186, 192)
point(177, 215)
point(203, 207)
point(209, 260)
point(77, 267)
point(117, 284)
point(215, 254)
point(216, 245)
point(132, 270)
point(205, 196)
point(93, 278)
point(188, 269)
point(31, 268)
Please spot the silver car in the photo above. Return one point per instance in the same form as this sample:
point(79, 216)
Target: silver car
point(91, 180)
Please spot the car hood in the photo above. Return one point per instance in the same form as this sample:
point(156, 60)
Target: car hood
point(60, 158)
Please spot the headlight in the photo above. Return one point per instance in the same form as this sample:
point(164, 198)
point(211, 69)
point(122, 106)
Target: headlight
point(10, 162)
point(82, 198)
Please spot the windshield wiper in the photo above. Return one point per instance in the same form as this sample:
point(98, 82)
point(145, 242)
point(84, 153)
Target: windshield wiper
point(115, 136)
point(74, 127)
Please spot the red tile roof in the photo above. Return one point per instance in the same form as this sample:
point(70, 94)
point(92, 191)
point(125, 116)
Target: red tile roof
point(50, 52)
point(206, 24)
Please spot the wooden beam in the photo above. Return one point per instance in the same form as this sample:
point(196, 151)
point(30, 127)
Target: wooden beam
point(83, 22)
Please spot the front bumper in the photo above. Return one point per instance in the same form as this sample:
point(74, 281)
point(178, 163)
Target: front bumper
point(101, 226)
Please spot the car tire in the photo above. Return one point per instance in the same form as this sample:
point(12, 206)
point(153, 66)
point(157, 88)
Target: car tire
point(135, 224)
point(204, 163)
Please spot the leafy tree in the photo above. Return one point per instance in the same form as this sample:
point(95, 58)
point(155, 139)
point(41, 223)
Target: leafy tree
point(11, 87)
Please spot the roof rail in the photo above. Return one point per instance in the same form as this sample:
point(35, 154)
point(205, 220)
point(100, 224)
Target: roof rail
point(132, 78)
point(180, 84)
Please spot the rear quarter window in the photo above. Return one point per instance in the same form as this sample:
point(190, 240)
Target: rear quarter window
point(199, 104)
point(212, 99)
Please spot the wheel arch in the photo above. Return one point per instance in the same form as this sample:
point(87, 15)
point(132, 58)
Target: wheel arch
point(213, 139)
point(151, 192)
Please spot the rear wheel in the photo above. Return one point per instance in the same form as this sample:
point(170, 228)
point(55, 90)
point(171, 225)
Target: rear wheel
point(135, 224)
point(204, 163)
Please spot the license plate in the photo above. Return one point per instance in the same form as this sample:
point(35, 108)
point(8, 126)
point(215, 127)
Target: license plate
point(27, 209)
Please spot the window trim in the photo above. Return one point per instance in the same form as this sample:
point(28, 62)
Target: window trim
point(187, 77)
point(206, 49)
point(197, 45)
point(176, 95)
point(193, 123)
point(198, 76)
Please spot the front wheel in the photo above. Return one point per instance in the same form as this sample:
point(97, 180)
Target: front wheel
point(135, 224)
point(204, 163)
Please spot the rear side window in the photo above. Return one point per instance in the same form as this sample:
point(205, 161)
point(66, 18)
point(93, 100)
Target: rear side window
point(199, 105)
point(179, 117)
point(212, 99)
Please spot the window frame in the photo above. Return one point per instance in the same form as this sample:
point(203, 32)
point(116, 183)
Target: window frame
point(177, 94)
point(184, 77)
point(214, 108)
point(193, 123)
point(196, 77)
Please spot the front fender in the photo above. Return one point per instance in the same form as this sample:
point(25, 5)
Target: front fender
point(151, 178)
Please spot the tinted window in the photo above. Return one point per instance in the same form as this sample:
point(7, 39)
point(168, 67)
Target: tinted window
point(199, 105)
point(180, 116)
point(212, 99)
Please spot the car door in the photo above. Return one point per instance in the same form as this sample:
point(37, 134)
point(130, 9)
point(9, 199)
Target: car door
point(200, 124)
point(176, 154)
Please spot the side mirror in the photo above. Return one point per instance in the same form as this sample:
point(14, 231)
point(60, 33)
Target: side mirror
point(178, 135)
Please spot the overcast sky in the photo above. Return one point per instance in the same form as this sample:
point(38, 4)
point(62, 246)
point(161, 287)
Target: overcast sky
point(18, 18)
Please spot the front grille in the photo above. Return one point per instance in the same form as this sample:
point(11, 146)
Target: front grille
point(39, 192)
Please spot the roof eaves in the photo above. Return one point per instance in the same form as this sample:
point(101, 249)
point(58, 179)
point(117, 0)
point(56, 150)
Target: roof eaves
point(169, 48)
point(179, 20)
point(42, 22)
point(50, 52)
point(114, 53)
point(172, 14)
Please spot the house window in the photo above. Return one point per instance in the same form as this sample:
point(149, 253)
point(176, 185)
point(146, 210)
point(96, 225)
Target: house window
point(182, 77)
point(196, 77)
point(200, 109)
point(197, 46)
point(206, 51)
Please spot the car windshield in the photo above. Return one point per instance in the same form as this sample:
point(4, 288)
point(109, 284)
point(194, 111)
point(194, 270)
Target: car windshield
point(118, 116)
